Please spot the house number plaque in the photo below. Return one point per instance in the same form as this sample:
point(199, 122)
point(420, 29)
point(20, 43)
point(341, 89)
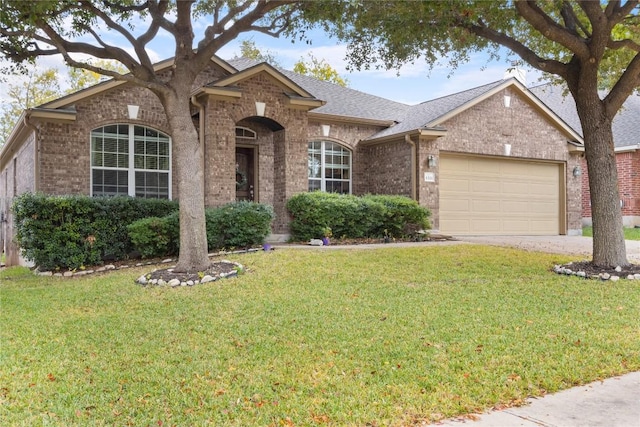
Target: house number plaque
point(429, 177)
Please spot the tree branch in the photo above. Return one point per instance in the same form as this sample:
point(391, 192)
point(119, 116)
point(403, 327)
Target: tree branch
point(208, 45)
point(139, 49)
point(542, 64)
point(628, 82)
point(160, 9)
point(546, 26)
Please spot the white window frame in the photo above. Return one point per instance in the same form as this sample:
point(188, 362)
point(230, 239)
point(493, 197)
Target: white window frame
point(131, 169)
point(323, 179)
point(247, 133)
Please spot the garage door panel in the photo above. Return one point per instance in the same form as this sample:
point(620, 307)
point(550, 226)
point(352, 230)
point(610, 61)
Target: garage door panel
point(544, 188)
point(543, 208)
point(514, 187)
point(456, 184)
point(486, 226)
point(457, 224)
point(455, 205)
point(483, 206)
point(515, 225)
point(481, 168)
point(498, 196)
point(484, 185)
point(514, 207)
point(540, 227)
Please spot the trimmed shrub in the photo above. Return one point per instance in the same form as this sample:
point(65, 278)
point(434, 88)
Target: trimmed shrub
point(153, 236)
point(238, 225)
point(235, 225)
point(350, 216)
point(402, 215)
point(70, 232)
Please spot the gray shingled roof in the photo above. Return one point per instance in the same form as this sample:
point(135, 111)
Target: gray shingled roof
point(340, 101)
point(626, 124)
point(419, 116)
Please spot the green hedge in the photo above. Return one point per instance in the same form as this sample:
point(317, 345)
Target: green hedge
point(350, 216)
point(235, 225)
point(73, 231)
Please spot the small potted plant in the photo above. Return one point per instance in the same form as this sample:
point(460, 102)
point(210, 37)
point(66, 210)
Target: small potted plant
point(326, 234)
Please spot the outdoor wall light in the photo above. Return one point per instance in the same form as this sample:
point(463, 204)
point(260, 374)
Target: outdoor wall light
point(260, 107)
point(577, 171)
point(133, 111)
point(431, 161)
point(326, 129)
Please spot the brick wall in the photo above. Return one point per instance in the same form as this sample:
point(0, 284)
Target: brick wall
point(628, 165)
point(282, 145)
point(388, 168)
point(62, 173)
point(485, 129)
point(349, 136)
point(16, 178)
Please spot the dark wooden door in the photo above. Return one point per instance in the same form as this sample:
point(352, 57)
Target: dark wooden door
point(245, 184)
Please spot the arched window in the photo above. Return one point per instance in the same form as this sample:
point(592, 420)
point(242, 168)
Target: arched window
point(132, 160)
point(245, 133)
point(329, 167)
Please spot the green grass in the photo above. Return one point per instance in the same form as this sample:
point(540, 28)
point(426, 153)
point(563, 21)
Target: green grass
point(629, 233)
point(389, 336)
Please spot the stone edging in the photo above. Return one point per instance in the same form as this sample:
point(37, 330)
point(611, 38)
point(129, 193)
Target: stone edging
point(112, 267)
point(142, 280)
point(563, 269)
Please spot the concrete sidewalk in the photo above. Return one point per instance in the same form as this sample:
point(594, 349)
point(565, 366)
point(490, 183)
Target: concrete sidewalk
point(614, 402)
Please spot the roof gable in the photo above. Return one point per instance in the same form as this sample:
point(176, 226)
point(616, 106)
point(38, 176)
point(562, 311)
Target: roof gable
point(233, 79)
point(341, 103)
point(99, 88)
point(626, 123)
point(432, 114)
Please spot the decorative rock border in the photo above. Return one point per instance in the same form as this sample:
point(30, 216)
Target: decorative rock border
point(174, 283)
point(564, 269)
point(112, 267)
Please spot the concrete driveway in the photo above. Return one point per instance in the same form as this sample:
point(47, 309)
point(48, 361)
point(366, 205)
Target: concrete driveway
point(572, 245)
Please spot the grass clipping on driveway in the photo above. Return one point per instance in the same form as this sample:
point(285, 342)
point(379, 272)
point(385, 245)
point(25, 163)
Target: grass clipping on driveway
point(394, 336)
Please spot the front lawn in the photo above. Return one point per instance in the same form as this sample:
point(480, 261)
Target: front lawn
point(629, 233)
point(390, 336)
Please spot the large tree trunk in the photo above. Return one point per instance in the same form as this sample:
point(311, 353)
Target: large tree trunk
point(187, 153)
point(608, 236)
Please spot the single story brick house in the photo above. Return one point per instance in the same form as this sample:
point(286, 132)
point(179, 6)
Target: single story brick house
point(489, 160)
point(626, 139)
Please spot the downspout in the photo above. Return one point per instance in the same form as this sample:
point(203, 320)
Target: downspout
point(414, 156)
point(36, 152)
point(194, 101)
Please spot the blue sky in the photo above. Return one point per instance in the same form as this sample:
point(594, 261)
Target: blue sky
point(412, 84)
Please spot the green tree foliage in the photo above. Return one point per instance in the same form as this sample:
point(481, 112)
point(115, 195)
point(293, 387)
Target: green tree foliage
point(80, 78)
point(36, 88)
point(319, 69)
point(314, 67)
point(586, 44)
point(40, 87)
point(121, 31)
point(248, 49)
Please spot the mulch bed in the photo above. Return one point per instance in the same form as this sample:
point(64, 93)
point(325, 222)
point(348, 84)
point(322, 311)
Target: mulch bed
point(593, 270)
point(216, 269)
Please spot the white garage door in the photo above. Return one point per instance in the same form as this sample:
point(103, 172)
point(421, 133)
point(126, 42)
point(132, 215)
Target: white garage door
point(484, 196)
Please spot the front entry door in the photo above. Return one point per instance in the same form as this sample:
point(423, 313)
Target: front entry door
point(245, 184)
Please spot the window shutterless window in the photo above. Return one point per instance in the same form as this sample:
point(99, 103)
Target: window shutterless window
point(132, 160)
point(329, 167)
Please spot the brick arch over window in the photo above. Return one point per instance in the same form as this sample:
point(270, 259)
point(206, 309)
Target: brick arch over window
point(130, 159)
point(329, 166)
